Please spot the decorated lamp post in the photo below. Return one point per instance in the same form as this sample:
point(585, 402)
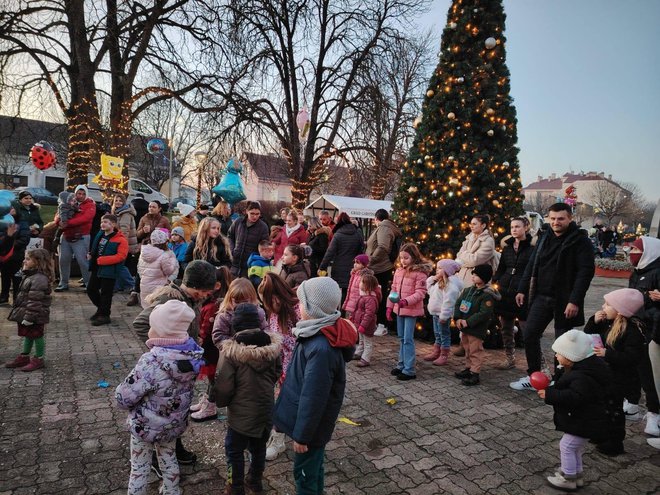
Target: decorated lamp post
point(201, 157)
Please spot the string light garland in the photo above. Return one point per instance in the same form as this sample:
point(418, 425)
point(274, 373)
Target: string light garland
point(464, 158)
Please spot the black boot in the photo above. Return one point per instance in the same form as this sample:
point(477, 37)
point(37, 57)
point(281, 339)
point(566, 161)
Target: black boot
point(184, 456)
point(473, 379)
point(463, 374)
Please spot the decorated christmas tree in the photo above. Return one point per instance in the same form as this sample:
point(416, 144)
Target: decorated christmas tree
point(464, 159)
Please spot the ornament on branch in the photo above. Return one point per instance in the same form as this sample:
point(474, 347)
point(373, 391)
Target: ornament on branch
point(460, 80)
point(505, 164)
point(490, 43)
point(430, 93)
point(451, 115)
point(412, 189)
point(452, 25)
point(417, 121)
point(491, 132)
point(490, 111)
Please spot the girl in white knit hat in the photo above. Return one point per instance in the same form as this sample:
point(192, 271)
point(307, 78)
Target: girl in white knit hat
point(623, 347)
point(579, 397)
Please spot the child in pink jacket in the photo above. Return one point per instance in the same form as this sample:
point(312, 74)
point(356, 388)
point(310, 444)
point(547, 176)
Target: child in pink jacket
point(406, 300)
point(157, 264)
point(360, 264)
point(364, 318)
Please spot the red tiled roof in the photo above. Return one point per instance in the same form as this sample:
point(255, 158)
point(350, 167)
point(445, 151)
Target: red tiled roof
point(546, 184)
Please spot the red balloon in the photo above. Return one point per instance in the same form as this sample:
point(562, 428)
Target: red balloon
point(41, 157)
point(539, 381)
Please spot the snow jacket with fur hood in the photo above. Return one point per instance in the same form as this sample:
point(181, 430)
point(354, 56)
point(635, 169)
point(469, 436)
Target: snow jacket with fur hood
point(155, 267)
point(410, 284)
point(159, 390)
point(246, 377)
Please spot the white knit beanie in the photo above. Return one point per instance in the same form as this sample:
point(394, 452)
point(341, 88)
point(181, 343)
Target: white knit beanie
point(574, 345)
point(185, 209)
point(171, 320)
point(319, 296)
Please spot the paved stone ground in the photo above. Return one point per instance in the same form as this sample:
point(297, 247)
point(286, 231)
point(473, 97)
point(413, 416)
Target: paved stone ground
point(61, 433)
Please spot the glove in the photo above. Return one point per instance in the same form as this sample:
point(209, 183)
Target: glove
point(361, 329)
point(388, 314)
point(403, 303)
point(26, 323)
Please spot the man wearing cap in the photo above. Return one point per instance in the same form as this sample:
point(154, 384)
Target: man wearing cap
point(197, 284)
point(555, 283)
point(75, 238)
point(313, 390)
point(245, 234)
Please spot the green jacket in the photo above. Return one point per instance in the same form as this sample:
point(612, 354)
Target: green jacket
point(478, 311)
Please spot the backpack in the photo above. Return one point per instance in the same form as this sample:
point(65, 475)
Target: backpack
point(396, 247)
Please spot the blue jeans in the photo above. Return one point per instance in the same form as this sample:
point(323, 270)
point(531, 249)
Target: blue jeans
point(308, 472)
point(235, 445)
point(442, 332)
point(125, 280)
point(405, 329)
point(78, 249)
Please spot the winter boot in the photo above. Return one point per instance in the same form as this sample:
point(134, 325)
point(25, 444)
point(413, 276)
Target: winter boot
point(652, 424)
point(471, 380)
point(443, 357)
point(563, 482)
point(434, 354)
point(19, 361)
point(207, 412)
point(459, 351)
point(134, 299)
point(200, 404)
point(34, 364)
point(254, 483)
point(275, 445)
point(509, 361)
point(184, 457)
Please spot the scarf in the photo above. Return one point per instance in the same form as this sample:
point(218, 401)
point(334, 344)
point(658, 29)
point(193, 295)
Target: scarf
point(309, 328)
point(291, 231)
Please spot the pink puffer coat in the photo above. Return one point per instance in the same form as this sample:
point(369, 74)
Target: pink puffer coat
point(410, 283)
point(353, 291)
point(155, 267)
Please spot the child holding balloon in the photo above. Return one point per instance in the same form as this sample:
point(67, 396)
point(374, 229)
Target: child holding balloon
point(622, 346)
point(579, 400)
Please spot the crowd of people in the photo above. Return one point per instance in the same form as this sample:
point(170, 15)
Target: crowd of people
point(270, 316)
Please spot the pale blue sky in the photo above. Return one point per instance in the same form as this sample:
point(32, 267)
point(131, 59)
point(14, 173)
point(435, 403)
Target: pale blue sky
point(585, 76)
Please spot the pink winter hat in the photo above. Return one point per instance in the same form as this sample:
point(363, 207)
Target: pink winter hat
point(363, 259)
point(627, 302)
point(449, 266)
point(170, 321)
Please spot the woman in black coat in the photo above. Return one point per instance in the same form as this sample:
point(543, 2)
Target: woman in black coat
point(347, 242)
point(318, 242)
point(517, 249)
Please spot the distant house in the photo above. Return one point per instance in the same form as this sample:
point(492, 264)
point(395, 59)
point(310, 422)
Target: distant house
point(545, 191)
point(266, 177)
point(17, 136)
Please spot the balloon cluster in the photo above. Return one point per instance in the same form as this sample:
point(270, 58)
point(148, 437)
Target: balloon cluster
point(6, 197)
point(43, 155)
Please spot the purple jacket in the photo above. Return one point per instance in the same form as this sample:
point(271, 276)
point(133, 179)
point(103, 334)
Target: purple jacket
point(159, 390)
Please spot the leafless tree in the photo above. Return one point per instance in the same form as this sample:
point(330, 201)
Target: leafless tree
point(610, 200)
point(279, 56)
point(10, 167)
point(380, 129)
point(81, 51)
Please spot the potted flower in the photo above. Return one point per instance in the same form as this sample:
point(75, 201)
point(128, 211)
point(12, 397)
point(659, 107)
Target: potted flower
point(613, 268)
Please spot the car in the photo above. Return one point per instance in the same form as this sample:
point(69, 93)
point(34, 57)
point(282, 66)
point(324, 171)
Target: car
point(184, 200)
point(39, 194)
point(136, 189)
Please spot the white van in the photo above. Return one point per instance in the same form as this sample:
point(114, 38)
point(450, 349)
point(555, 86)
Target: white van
point(136, 189)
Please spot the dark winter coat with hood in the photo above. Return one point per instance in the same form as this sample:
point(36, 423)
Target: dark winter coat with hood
point(33, 299)
point(579, 398)
point(347, 242)
point(294, 275)
point(318, 242)
point(245, 380)
point(244, 240)
point(624, 356)
point(646, 278)
point(573, 274)
point(509, 273)
point(480, 304)
point(313, 391)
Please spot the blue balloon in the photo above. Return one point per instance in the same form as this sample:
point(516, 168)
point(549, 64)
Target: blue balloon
point(230, 187)
point(156, 146)
point(6, 197)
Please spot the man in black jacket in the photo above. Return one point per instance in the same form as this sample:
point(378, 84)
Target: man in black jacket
point(555, 281)
point(245, 234)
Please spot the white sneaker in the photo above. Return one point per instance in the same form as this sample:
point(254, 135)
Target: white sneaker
point(652, 424)
point(654, 442)
point(275, 445)
point(632, 411)
point(206, 413)
point(522, 384)
point(380, 330)
point(202, 402)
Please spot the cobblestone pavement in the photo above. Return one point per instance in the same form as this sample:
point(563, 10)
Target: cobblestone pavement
point(61, 433)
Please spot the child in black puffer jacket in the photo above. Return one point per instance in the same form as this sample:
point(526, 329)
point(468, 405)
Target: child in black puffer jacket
point(579, 399)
